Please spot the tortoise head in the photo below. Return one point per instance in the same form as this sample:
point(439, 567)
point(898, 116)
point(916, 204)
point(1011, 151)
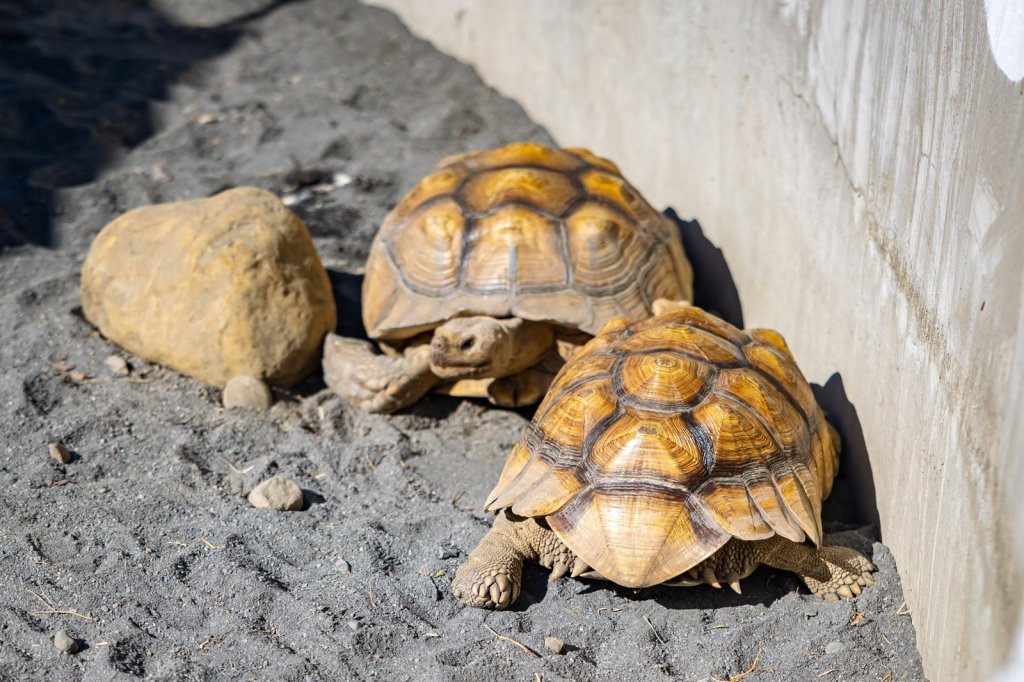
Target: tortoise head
point(470, 348)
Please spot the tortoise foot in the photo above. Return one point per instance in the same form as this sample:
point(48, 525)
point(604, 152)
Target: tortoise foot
point(487, 587)
point(850, 572)
point(374, 382)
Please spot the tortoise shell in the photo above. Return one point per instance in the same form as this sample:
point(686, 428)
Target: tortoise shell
point(663, 439)
point(526, 231)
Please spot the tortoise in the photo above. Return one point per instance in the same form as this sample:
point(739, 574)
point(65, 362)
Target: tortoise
point(677, 450)
point(495, 268)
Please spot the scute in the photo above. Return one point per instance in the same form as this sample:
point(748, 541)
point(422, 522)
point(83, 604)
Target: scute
point(440, 183)
point(664, 380)
point(635, 538)
point(643, 447)
point(619, 194)
point(545, 191)
point(524, 154)
point(692, 432)
point(514, 249)
point(429, 250)
point(605, 249)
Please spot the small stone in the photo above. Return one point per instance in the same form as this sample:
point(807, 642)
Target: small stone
point(834, 647)
point(247, 391)
point(65, 642)
point(447, 552)
point(355, 625)
point(555, 644)
point(277, 493)
point(343, 566)
point(59, 453)
point(117, 365)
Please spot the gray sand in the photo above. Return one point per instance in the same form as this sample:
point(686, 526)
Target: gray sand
point(143, 547)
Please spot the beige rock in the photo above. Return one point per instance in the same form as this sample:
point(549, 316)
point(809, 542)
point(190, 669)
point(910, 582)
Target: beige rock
point(59, 452)
point(276, 493)
point(65, 642)
point(214, 288)
point(117, 365)
point(555, 644)
point(247, 391)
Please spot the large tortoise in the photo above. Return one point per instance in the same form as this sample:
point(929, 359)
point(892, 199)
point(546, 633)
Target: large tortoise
point(678, 450)
point(495, 268)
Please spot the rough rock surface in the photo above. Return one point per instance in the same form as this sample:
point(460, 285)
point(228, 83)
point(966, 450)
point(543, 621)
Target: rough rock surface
point(151, 535)
point(279, 494)
point(212, 287)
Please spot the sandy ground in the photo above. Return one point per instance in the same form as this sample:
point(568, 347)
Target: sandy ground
point(143, 547)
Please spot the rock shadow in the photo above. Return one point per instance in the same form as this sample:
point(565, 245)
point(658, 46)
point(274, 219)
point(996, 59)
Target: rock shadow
point(713, 286)
point(348, 301)
point(76, 81)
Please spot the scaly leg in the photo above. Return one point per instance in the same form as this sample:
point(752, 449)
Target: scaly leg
point(526, 387)
point(377, 383)
point(829, 572)
point(492, 575)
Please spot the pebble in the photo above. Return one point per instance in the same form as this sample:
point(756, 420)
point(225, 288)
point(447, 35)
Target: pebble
point(834, 647)
point(355, 625)
point(117, 365)
point(65, 642)
point(447, 552)
point(247, 391)
point(343, 566)
point(277, 493)
point(59, 453)
point(555, 644)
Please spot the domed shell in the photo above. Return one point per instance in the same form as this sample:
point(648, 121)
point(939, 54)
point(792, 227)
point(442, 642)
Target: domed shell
point(523, 230)
point(661, 440)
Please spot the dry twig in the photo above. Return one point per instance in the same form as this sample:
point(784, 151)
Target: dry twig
point(749, 671)
point(651, 626)
point(509, 639)
point(51, 607)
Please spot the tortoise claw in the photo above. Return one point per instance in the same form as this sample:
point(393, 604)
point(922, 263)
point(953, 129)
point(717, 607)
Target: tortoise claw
point(708, 576)
point(557, 571)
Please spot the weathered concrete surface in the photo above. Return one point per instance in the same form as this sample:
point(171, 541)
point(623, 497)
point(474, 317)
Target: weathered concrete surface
point(860, 164)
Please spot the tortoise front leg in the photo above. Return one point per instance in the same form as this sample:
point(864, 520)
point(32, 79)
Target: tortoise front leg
point(492, 575)
point(377, 383)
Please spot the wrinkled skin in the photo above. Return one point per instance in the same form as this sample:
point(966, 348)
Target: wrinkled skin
point(460, 352)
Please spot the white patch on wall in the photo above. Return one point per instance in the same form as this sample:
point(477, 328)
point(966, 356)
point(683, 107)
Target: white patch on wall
point(1005, 19)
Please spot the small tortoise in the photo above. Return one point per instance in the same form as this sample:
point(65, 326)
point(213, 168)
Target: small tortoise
point(678, 450)
point(495, 268)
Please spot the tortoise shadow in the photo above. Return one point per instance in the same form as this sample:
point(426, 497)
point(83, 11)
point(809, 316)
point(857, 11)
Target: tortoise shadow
point(762, 587)
point(714, 289)
point(852, 502)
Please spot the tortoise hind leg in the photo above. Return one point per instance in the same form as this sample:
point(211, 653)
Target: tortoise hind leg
point(377, 383)
point(492, 575)
point(829, 572)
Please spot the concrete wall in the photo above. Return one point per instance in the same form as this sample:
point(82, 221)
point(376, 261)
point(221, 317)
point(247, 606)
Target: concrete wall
point(862, 167)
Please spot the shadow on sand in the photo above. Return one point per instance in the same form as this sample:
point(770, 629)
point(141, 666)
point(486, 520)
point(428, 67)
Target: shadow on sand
point(76, 82)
